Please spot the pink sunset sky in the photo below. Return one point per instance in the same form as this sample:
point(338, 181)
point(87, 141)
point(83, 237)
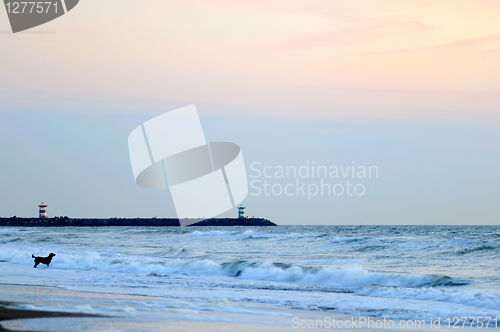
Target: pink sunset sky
point(411, 86)
point(412, 60)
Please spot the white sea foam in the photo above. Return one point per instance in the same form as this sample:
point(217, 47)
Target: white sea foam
point(252, 234)
point(424, 287)
point(400, 276)
point(211, 234)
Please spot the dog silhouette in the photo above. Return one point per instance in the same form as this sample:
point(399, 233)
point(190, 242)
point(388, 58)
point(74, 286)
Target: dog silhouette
point(43, 260)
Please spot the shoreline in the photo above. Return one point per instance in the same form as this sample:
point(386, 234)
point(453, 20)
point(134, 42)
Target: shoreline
point(19, 313)
point(7, 313)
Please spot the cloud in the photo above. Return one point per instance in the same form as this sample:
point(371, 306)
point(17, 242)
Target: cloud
point(347, 36)
point(462, 43)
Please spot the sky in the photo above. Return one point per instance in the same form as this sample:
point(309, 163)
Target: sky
point(410, 87)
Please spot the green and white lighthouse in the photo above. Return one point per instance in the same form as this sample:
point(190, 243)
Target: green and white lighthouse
point(241, 212)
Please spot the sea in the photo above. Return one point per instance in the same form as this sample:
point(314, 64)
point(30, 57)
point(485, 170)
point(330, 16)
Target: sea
point(393, 272)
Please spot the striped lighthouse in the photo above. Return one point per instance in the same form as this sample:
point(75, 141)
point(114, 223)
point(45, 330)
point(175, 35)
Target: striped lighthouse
point(241, 212)
point(42, 211)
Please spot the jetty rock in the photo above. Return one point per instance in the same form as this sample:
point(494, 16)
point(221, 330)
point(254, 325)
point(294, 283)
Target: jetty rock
point(173, 222)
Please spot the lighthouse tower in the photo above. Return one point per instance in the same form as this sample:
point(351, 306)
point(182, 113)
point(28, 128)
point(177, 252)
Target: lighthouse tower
point(241, 212)
point(43, 212)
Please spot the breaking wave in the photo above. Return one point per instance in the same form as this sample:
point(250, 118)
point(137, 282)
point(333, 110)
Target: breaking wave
point(455, 269)
point(253, 235)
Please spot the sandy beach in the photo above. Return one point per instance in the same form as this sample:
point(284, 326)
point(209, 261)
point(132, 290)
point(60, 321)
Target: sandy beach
point(7, 313)
point(27, 308)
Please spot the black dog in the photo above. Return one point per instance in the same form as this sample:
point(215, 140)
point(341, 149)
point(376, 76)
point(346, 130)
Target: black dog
point(43, 260)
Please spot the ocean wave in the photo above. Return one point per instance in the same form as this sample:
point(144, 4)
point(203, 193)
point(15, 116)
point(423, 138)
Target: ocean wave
point(350, 239)
point(272, 275)
point(17, 239)
point(50, 239)
point(452, 244)
point(480, 248)
point(391, 246)
point(476, 299)
point(249, 234)
point(211, 234)
point(256, 235)
point(179, 252)
point(349, 276)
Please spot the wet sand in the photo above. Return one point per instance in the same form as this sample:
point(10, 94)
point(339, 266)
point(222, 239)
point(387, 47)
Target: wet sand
point(22, 309)
point(7, 314)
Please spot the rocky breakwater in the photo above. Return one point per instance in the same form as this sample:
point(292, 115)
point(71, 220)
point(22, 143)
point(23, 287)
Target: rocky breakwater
point(65, 221)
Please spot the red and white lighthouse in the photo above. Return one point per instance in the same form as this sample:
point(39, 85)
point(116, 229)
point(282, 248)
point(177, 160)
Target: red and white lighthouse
point(43, 212)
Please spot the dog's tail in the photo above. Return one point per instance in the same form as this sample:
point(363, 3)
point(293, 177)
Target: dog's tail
point(32, 255)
